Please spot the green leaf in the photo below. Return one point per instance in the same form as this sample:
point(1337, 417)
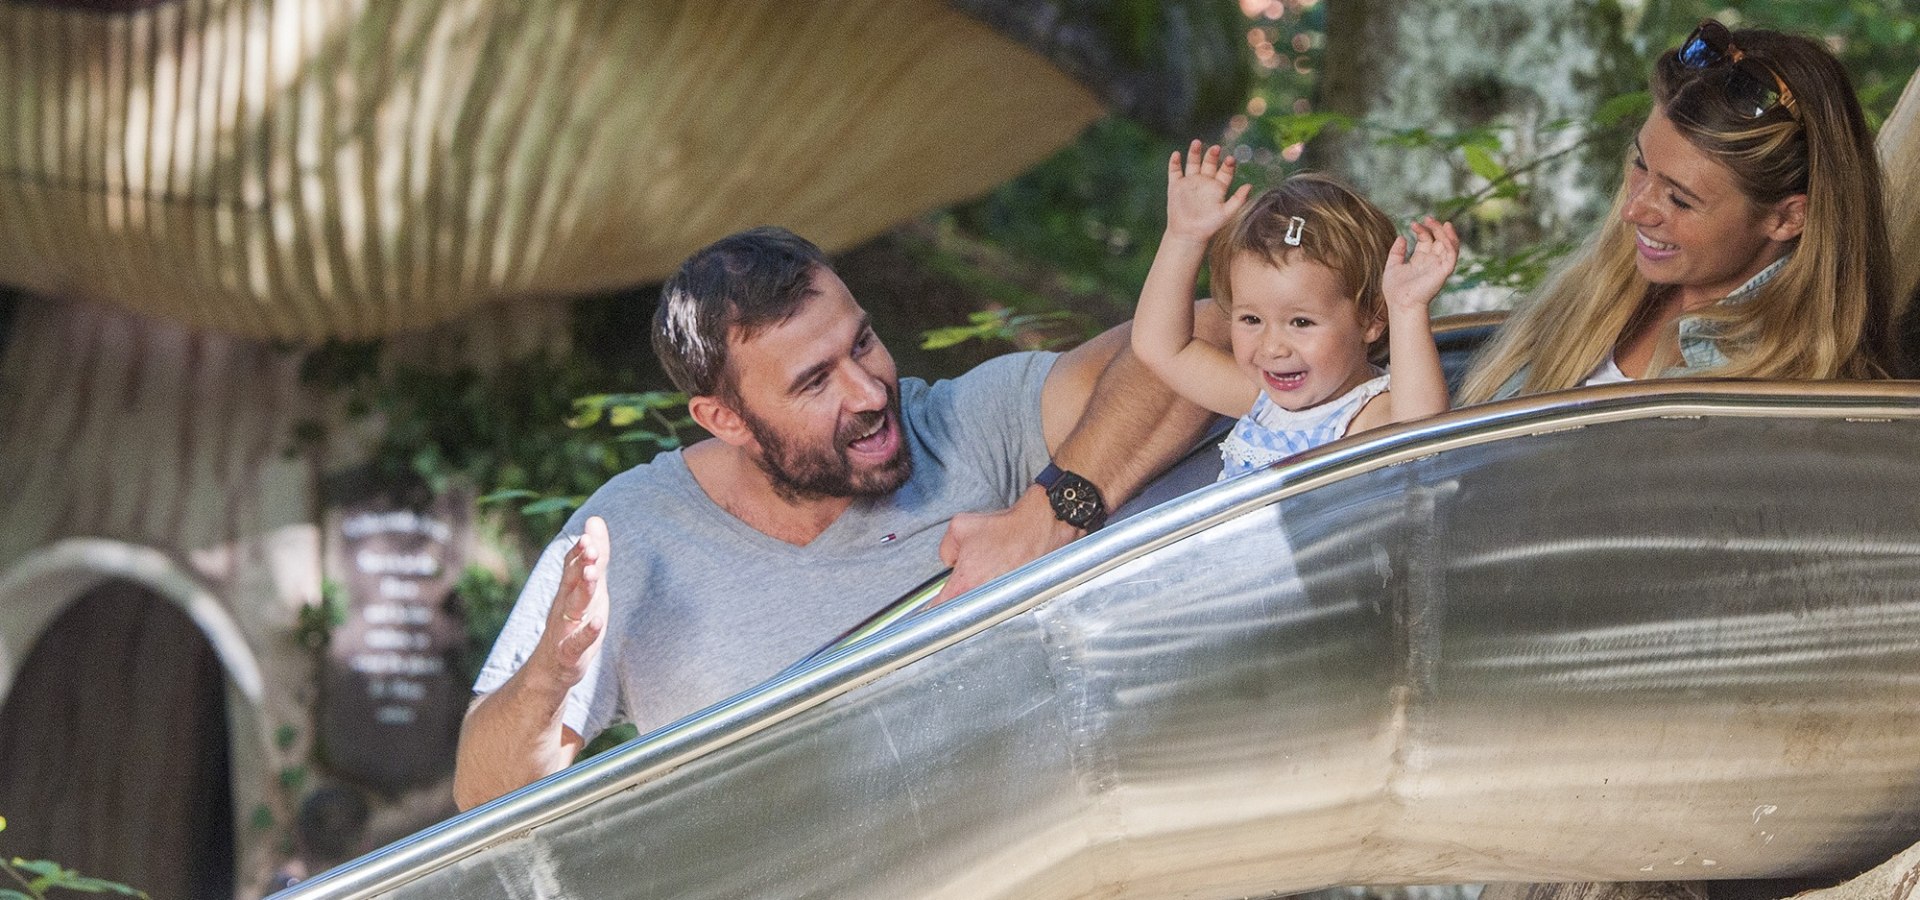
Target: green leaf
point(510, 494)
point(587, 411)
point(641, 436)
point(6, 894)
point(1481, 161)
point(44, 868)
point(1409, 138)
point(942, 338)
point(283, 737)
point(1303, 127)
point(551, 505)
point(1626, 106)
point(655, 400)
point(96, 886)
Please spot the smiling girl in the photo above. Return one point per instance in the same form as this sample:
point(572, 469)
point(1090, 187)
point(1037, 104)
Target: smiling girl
point(1312, 277)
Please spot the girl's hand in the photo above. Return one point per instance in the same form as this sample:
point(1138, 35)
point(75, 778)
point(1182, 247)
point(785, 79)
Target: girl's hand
point(1197, 200)
point(1411, 283)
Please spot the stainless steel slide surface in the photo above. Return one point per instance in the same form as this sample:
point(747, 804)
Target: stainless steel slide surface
point(1633, 632)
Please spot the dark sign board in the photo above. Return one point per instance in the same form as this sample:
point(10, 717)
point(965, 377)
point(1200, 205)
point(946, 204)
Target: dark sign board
point(391, 699)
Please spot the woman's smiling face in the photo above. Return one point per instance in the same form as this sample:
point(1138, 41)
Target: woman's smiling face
point(1694, 227)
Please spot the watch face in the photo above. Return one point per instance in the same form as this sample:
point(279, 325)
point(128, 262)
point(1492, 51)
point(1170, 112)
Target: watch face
point(1076, 501)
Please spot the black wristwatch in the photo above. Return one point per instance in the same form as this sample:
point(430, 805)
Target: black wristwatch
point(1075, 500)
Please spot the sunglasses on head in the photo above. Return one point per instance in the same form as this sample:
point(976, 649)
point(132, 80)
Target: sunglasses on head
point(1753, 87)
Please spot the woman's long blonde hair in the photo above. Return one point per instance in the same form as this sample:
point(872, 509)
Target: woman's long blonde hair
point(1828, 314)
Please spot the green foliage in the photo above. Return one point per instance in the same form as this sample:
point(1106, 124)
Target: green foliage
point(506, 430)
point(996, 324)
point(1093, 212)
point(315, 623)
point(485, 600)
point(1300, 128)
point(606, 740)
point(38, 876)
point(1096, 209)
point(1518, 271)
point(293, 778)
point(1624, 109)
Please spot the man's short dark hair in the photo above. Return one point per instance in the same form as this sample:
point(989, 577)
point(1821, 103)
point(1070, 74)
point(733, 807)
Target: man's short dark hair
point(747, 282)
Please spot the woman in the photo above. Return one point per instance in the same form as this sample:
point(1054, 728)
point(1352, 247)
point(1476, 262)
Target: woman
point(1748, 239)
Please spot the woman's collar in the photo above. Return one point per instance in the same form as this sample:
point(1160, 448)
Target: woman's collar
point(1759, 279)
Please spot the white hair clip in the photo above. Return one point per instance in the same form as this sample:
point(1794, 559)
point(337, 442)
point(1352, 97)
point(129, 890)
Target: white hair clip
point(1295, 225)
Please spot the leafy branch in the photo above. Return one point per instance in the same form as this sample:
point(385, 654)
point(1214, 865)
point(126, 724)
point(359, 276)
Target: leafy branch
point(48, 875)
point(654, 420)
point(1502, 181)
point(1001, 324)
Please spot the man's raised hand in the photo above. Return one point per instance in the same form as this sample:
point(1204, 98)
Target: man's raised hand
point(578, 618)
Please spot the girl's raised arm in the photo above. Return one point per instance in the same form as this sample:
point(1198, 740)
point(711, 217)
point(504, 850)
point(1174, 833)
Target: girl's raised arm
point(1197, 206)
point(1419, 388)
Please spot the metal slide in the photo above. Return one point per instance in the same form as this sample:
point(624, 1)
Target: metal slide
point(1654, 631)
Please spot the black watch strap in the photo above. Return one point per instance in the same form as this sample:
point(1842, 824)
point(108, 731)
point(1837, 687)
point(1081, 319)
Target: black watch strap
point(1075, 500)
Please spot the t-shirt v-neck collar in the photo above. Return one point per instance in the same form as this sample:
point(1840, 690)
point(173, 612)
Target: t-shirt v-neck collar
point(834, 541)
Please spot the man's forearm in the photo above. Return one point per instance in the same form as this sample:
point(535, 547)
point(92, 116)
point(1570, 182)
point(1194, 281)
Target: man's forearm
point(1134, 426)
point(515, 735)
point(510, 739)
point(1129, 429)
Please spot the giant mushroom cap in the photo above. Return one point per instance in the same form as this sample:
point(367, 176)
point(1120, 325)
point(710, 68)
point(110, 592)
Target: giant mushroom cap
point(306, 169)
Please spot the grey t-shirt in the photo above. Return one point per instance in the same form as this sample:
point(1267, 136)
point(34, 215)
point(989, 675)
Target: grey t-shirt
point(704, 606)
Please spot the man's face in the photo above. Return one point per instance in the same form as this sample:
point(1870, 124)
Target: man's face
point(821, 397)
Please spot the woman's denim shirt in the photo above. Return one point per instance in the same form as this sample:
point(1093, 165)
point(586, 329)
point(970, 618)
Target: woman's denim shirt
point(1698, 350)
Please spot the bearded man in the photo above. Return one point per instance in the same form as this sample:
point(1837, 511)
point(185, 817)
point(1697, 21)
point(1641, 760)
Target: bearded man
point(830, 486)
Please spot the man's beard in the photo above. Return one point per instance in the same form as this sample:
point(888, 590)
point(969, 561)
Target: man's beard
point(801, 473)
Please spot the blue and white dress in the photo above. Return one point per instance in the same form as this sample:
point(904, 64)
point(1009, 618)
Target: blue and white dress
point(1269, 432)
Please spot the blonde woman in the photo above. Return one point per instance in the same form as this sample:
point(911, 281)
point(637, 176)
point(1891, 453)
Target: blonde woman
point(1748, 239)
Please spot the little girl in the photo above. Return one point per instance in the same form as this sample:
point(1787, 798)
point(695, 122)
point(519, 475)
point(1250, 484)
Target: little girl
point(1311, 275)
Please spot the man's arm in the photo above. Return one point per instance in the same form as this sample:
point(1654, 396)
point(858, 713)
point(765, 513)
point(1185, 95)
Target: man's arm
point(514, 736)
point(1105, 417)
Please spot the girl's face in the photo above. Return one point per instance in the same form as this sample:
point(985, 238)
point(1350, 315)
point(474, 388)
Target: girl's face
point(1296, 332)
point(1694, 228)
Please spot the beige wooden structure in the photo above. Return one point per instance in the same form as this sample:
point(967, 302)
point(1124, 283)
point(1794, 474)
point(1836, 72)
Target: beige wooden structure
point(301, 169)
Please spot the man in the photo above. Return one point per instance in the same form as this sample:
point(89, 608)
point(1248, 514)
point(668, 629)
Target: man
point(830, 487)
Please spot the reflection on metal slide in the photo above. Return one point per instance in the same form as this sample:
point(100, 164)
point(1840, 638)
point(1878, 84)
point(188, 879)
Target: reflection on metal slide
point(1636, 632)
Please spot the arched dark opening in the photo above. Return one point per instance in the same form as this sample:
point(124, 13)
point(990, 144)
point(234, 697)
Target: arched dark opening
point(114, 748)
